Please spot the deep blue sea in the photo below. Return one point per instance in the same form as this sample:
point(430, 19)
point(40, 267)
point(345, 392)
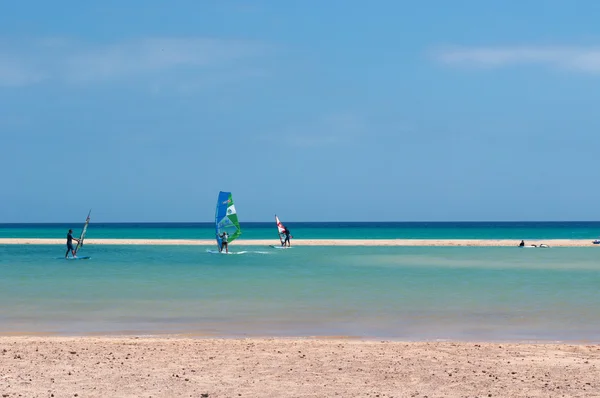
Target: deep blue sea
point(401, 293)
point(322, 230)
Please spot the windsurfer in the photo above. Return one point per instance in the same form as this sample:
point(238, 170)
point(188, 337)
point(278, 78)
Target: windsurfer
point(70, 240)
point(286, 233)
point(224, 244)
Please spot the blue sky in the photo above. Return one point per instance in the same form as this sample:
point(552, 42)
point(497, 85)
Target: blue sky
point(314, 110)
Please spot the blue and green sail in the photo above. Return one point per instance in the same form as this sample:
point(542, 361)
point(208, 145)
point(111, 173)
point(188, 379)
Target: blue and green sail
point(83, 232)
point(226, 219)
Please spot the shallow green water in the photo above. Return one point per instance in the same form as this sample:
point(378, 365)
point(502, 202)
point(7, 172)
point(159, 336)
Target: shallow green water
point(409, 293)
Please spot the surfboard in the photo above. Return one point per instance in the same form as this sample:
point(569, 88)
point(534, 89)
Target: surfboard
point(280, 247)
point(78, 258)
point(240, 252)
point(217, 252)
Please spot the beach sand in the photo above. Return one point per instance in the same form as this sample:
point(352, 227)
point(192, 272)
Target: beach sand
point(313, 242)
point(40, 366)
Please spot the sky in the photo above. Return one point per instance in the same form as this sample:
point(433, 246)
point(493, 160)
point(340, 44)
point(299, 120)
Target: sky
point(389, 110)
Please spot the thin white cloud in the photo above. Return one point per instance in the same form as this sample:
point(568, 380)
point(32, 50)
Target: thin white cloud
point(16, 73)
point(581, 59)
point(332, 129)
point(29, 62)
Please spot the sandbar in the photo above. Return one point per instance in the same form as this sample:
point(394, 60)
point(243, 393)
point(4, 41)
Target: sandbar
point(314, 242)
point(38, 366)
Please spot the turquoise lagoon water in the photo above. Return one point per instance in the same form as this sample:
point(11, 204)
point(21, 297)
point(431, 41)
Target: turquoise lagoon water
point(402, 293)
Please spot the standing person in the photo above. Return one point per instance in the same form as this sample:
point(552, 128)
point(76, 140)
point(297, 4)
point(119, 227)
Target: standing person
point(224, 244)
point(287, 234)
point(70, 240)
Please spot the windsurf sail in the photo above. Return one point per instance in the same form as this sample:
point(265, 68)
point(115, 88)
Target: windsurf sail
point(226, 219)
point(83, 231)
point(280, 229)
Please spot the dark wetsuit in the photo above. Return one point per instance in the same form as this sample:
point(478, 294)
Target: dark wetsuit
point(286, 232)
point(70, 241)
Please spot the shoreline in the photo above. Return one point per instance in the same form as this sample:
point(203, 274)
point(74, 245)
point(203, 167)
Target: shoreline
point(201, 336)
point(315, 242)
point(215, 367)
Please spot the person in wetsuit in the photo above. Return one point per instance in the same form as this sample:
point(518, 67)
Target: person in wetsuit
point(70, 240)
point(224, 243)
point(286, 233)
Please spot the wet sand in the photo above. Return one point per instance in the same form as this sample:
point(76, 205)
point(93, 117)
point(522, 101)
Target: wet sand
point(182, 367)
point(314, 242)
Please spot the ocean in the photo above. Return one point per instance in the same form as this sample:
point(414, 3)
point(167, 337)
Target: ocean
point(399, 293)
point(318, 230)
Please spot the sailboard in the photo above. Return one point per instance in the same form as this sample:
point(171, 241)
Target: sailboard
point(226, 219)
point(281, 233)
point(216, 252)
point(83, 232)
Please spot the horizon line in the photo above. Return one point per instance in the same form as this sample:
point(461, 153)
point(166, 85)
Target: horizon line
point(304, 222)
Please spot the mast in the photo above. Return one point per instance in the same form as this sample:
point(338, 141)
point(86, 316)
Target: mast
point(280, 229)
point(83, 232)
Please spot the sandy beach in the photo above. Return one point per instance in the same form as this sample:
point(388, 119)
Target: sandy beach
point(186, 367)
point(314, 242)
